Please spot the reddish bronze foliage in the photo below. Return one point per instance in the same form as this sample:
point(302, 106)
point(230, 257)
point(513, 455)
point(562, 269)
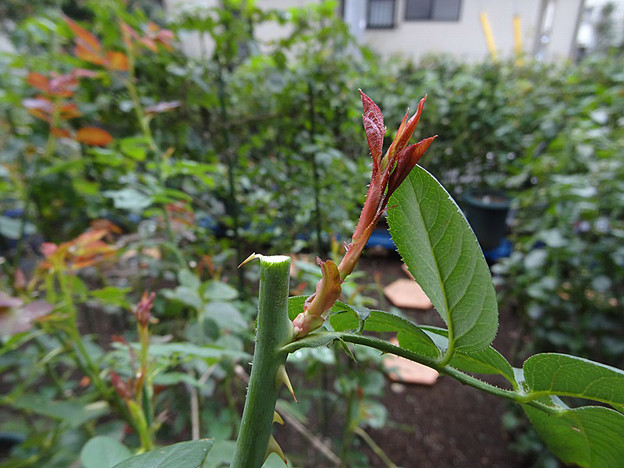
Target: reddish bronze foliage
point(387, 174)
point(17, 317)
point(85, 250)
point(143, 309)
point(123, 389)
point(93, 136)
point(89, 49)
point(53, 108)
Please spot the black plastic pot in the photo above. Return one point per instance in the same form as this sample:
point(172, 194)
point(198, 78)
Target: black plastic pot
point(8, 441)
point(486, 211)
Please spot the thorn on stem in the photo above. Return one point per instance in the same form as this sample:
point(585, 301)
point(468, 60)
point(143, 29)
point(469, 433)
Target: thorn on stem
point(252, 257)
point(282, 378)
point(277, 418)
point(274, 447)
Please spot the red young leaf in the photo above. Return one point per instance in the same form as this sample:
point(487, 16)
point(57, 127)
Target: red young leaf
point(7, 302)
point(89, 39)
point(39, 81)
point(69, 111)
point(40, 107)
point(88, 55)
point(84, 73)
point(20, 279)
point(60, 132)
point(327, 289)
point(117, 61)
point(15, 317)
point(128, 34)
point(387, 175)
point(406, 160)
point(103, 224)
point(406, 130)
point(38, 102)
point(373, 127)
point(316, 306)
point(164, 106)
point(165, 37)
point(62, 85)
point(93, 136)
point(120, 386)
point(48, 249)
point(149, 43)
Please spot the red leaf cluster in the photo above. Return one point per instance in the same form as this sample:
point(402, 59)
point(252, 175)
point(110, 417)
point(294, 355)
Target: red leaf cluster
point(89, 49)
point(152, 37)
point(93, 136)
point(143, 309)
point(86, 250)
point(387, 174)
point(17, 317)
point(52, 106)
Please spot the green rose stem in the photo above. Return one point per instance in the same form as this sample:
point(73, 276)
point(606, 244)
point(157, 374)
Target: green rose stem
point(274, 330)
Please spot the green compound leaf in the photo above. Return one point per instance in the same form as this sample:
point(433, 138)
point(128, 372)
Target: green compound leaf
point(73, 413)
point(103, 452)
point(409, 336)
point(486, 361)
point(188, 454)
point(590, 436)
point(561, 374)
point(442, 253)
point(192, 351)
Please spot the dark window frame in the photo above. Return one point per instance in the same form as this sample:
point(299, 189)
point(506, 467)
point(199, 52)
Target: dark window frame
point(368, 15)
point(431, 19)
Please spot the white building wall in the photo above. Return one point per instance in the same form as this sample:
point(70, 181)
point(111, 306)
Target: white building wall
point(568, 14)
point(463, 39)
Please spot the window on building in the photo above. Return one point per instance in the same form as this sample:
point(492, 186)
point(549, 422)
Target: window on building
point(380, 14)
point(432, 10)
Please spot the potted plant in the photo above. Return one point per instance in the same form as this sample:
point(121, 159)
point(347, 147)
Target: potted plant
point(486, 210)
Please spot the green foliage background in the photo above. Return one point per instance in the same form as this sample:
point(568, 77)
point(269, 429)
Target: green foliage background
point(269, 154)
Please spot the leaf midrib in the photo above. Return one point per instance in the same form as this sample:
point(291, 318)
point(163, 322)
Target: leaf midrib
point(447, 312)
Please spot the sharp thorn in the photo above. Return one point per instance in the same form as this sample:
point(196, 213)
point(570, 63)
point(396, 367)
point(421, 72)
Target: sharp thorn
point(282, 378)
point(253, 256)
point(274, 447)
point(277, 418)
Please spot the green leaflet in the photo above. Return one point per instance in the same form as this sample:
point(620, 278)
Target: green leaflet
point(561, 374)
point(442, 253)
point(409, 336)
point(103, 452)
point(74, 413)
point(188, 454)
point(190, 350)
point(486, 361)
point(345, 317)
point(591, 436)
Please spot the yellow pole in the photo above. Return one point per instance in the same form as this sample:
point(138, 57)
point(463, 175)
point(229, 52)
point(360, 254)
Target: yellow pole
point(489, 38)
point(517, 39)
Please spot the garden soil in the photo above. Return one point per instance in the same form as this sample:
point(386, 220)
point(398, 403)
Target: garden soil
point(451, 425)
